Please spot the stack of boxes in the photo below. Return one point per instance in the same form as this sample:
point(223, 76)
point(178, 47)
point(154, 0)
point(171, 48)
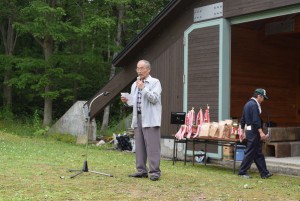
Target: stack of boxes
point(228, 152)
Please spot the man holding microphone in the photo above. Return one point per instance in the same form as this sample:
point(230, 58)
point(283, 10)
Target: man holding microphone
point(146, 121)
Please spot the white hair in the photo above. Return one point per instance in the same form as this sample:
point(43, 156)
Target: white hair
point(147, 63)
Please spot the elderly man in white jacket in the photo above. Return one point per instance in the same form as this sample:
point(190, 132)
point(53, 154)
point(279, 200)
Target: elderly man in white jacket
point(146, 121)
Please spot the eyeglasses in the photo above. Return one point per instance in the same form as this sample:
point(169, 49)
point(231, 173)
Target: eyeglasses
point(140, 68)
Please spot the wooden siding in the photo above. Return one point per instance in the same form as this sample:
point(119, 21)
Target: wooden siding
point(270, 62)
point(203, 70)
point(233, 8)
point(169, 70)
point(203, 74)
point(114, 87)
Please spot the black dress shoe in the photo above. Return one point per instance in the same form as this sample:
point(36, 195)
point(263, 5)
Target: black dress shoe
point(139, 175)
point(267, 176)
point(154, 178)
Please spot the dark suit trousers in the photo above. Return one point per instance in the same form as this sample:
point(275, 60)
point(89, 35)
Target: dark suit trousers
point(254, 153)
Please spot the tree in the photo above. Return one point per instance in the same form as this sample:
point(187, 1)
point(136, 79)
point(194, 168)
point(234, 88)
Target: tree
point(45, 23)
point(9, 13)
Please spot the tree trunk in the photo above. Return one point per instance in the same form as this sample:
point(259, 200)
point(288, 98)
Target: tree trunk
point(48, 50)
point(7, 91)
point(47, 109)
point(9, 37)
point(121, 10)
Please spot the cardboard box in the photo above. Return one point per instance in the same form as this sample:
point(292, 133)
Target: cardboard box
point(227, 152)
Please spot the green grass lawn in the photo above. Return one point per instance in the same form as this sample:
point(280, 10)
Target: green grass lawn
point(37, 169)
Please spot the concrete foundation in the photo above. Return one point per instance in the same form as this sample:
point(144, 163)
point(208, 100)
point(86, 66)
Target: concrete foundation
point(74, 123)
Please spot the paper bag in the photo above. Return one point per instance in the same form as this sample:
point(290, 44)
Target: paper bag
point(226, 131)
point(213, 129)
point(221, 128)
point(204, 131)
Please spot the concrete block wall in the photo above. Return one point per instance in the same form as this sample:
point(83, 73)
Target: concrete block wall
point(74, 123)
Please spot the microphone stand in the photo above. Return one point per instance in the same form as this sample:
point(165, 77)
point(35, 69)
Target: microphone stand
point(86, 112)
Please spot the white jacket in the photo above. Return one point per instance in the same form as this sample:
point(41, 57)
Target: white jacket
point(151, 107)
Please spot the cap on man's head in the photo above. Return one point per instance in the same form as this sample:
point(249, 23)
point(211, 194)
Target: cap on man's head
point(262, 92)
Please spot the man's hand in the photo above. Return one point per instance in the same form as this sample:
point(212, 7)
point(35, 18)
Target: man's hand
point(123, 99)
point(263, 136)
point(140, 84)
point(242, 135)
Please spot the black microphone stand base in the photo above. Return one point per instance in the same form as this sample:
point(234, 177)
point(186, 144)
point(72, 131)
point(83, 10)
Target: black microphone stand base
point(86, 169)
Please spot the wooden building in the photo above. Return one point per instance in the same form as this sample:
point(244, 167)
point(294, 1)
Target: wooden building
point(218, 53)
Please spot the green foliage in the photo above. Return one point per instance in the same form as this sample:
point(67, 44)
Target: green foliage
point(17, 126)
point(6, 114)
point(68, 47)
point(116, 127)
point(41, 131)
point(67, 138)
point(37, 122)
point(42, 20)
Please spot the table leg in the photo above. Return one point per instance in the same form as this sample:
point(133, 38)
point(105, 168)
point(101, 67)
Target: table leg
point(234, 156)
point(205, 148)
point(193, 156)
point(174, 150)
point(185, 151)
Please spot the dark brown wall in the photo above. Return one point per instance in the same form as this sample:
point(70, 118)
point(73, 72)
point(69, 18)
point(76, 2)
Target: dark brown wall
point(270, 62)
point(203, 70)
point(240, 7)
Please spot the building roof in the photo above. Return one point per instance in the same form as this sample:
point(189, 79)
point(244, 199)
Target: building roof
point(125, 56)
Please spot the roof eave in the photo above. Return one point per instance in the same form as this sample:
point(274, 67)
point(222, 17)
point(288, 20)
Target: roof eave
point(118, 61)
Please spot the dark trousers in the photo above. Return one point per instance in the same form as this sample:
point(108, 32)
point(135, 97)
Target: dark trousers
point(254, 153)
point(147, 146)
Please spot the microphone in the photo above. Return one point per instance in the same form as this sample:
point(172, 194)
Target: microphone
point(139, 79)
point(106, 93)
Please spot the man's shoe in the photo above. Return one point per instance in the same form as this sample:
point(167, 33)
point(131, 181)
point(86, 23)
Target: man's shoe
point(139, 175)
point(267, 176)
point(154, 178)
point(245, 176)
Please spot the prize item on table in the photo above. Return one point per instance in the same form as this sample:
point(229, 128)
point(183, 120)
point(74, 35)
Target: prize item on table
point(227, 129)
point(204, 131)
point(193, 125)
point(206, 120)
point(221, 128)
point(191, 122)
point(199, 121)
point(184, 129)
point(206, 115)
point(235, 129)
point(213, 131)
point(189, 129)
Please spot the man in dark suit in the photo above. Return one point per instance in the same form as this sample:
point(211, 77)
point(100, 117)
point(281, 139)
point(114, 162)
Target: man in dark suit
point(251, 125)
